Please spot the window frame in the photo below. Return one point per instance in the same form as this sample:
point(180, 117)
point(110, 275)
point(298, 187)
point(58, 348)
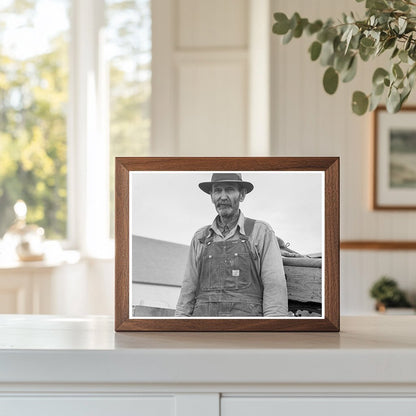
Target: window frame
point(87, 133)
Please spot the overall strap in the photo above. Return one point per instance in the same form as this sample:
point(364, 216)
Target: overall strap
point(248, 226)
point(203, 239)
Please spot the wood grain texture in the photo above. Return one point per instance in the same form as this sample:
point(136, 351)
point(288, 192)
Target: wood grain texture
point(304, 283)
point(121, 244)
point(329, 165)
point(378, 245)
point(332, 225)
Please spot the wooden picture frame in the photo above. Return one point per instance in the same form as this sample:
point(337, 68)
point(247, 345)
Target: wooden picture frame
point(394, 159)
point(141, 179)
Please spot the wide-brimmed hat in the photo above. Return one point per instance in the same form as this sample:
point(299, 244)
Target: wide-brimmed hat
point(225, 177)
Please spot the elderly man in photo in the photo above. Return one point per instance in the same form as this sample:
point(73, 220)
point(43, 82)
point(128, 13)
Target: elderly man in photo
point(234, 266)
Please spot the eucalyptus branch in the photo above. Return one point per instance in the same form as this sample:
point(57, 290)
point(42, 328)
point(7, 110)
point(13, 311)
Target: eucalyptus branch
point(389, 25)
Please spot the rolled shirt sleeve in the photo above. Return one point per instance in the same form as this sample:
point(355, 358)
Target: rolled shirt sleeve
point(275, 302)
point(186, 301)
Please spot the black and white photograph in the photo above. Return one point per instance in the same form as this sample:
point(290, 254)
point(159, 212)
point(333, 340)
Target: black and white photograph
point(229, 244)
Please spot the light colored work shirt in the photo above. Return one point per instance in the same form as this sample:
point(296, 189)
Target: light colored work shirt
point(269, 266)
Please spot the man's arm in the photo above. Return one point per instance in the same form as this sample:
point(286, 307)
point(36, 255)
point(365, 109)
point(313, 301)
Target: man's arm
point(273, 275)
point(186, 301)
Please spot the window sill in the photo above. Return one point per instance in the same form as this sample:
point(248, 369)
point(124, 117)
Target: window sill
point(50, 261)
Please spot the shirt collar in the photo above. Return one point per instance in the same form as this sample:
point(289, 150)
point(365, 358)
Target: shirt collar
point(240, 224)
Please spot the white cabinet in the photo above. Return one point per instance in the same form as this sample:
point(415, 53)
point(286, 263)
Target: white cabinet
point(88, 406)
point(323, 406)
point(80, 366)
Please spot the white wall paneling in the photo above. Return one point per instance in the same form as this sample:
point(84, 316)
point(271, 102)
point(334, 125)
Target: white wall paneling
point(359, 270)
point(212, 24)
point(212, 106)
point(163, 128)
point(210, 87)
point(306, 121)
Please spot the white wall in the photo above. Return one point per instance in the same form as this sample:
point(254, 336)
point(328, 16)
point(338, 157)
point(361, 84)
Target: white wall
point(308, 122)
point(208, 70)
point(200, 77)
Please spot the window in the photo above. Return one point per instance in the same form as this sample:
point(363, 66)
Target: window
point(33, 97)
point(129, 46)
point(75, 87)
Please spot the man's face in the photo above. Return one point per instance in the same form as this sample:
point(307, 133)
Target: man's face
point(226, 196)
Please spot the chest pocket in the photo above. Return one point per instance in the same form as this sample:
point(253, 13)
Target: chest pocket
point(227, 265)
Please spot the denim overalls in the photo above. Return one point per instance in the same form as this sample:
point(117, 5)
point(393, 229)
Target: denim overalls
point(229, 284)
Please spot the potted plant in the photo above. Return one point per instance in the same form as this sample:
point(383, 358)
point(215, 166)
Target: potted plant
point(387, 294)
point(389, 27)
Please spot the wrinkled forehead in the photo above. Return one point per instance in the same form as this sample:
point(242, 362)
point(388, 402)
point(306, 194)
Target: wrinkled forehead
point(223, 185)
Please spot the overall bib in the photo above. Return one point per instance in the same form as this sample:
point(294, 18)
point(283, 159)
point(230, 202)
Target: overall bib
point(229, 284)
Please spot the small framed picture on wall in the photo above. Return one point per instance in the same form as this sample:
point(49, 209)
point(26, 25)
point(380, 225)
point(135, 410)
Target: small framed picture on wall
point(394, 159)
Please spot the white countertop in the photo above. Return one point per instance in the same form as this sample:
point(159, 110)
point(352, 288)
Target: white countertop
point(53, 349)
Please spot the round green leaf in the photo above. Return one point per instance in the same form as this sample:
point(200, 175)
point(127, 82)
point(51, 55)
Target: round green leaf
point(389, 43)
point(288, 37)
point(314, 27)
point(359, 103)
point(411, 77)
point(412, 70)
point(379, 75)
point(327, 54)
point(366, 53)
point(412, 52)
point(374, 102)
point(298, 30)
point(341, 61)
point(403, 96)
point(403, 55)
point(351, 71)
point(378, 90)
point(281, 26)
point(395, 52)
point(367, 42)
point(315, 50)
point(393, 101)
point(400, 5)
point(376, 4)
point(322, 36)
point(397, 71)
point(408, 42)
point(330, 80)
point(294, 20)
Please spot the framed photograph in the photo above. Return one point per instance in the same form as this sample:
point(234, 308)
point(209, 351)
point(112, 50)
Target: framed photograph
point(227, 244)
point(394, 159)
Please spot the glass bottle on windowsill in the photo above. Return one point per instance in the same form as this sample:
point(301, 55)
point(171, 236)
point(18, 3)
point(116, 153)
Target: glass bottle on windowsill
point(23, 240)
